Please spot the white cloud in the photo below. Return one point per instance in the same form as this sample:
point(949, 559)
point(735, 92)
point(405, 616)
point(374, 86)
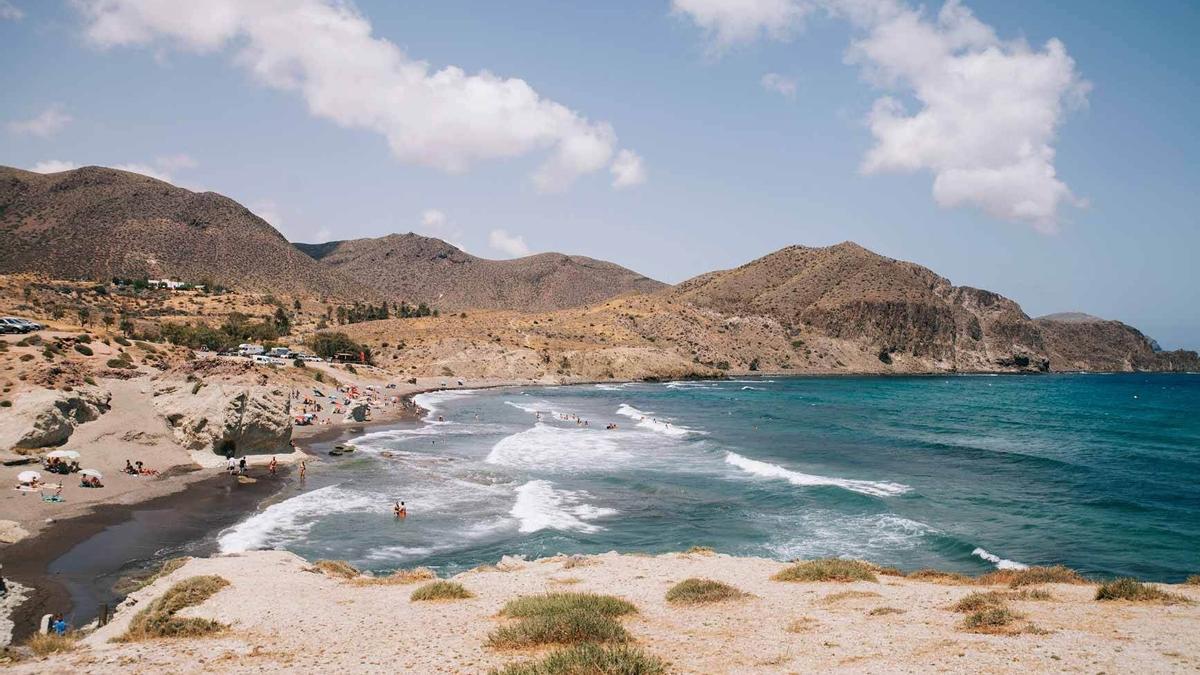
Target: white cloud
point(627, 170)
point(780, 84)
point(728, 22)
point(268, 211)
point(435, 223)
point(45, 124)
point(145, 170)
point(176, 162)
point(53, 166)
point(513, 246)
point(10, 12)
point(324, 50)
point(986, 110)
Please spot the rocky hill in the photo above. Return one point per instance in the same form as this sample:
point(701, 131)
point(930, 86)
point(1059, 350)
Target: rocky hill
point(419, 269)
point(98, 223)
point(897, 310)
point(1077, 341)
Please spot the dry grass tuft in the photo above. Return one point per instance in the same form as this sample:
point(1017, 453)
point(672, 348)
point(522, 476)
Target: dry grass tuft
point(590, 659)
point(1135, 591)
point(848, 595)
point(397, 578)
point(701, 591)
point(158, 619)
point(1193, 580)
point(336, 568)
point(939, 577)
point(1031, 594)
point(827, 569)
point(128, 585)
point(801, 625)
point(889, 571)
point(566, 581)
point(442, 590)
point(701, 550)
point(51, 643)
point(975, 602)
point(884, 611)
point(992, 620)
point(1034, 575)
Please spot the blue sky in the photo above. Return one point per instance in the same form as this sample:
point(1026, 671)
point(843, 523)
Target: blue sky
point(732, 170)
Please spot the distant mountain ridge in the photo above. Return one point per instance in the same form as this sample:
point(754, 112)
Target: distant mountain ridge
point(99, 223)
point(416, 268)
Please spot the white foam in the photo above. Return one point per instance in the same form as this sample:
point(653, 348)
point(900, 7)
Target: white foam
point(290, 520)
point(612, 387)
point(751, 388)
point(819, 533)
point(766, 470)
point(691, 385)
point(545, 447)
point(430, 400)
point(540, 507)
point(1000, 563)
point(646, 420)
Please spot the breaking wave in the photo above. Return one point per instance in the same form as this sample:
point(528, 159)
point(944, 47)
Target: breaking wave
point(541, 507)
point(1000, 563)
point(767, 470)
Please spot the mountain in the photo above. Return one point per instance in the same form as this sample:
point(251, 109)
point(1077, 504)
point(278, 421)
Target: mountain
point(418, 269)
point(1077, 341)
point(99, 223)
point(897, 311)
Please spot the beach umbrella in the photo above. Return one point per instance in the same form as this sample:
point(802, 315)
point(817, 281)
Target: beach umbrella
point(28, 476)
point(64, 454)
point(91, 472)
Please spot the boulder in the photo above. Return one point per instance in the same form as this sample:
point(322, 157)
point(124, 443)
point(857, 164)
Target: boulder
point(47, 417)
point(227, 418)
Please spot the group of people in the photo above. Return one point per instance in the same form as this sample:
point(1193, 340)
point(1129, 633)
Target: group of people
point(400, 510)
point(138, 469)
point(90, 481)
point(234, 466)
point(60, 465)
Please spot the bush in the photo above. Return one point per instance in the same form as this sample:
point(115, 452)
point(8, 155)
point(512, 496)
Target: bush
point(699, 591)
point(83, 338)
point(590, 659)
point(51, 643)
point(84, 349)
point(5, 404)
point(561, 628)
point(1193, 580)
point(937, 576)
point(991, 620)
point(336, 568)
point(700, 550)
point(27, 357)
point(119, 363)
point(328, 344)
point(827, 569)
point(159, 620)
point(883, 611)
point(121, 341)
point(1034, 575)
point(557, 603)
point(441, 590)
point(979, 601)
point(1135, 591)
point(398, 578)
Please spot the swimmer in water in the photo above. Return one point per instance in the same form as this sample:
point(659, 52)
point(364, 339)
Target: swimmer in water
point(400, 510)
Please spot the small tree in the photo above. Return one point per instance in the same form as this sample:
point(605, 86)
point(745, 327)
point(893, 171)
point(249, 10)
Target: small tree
point(108, 320)
point(84, 315)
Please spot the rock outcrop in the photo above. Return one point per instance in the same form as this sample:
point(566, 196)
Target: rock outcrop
point(1082, 342)
point(226, 418)
point(47, 417)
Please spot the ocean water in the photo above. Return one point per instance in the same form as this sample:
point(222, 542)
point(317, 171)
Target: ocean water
point(964, 473)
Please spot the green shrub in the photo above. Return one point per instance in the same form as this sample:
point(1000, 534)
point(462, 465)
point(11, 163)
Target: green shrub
point(83, 338)
point(121, 341)
point(979, 601)
point(84, 349)
point(441, 590)
point(1136, 591)
point(119, 363)
point(557, 603)
point(590, 659)
point(27, 357)
point(827, 569)
point(700, 591)
point(158, 620)
point(562, 628)
point(5, 404)
point(336, 568)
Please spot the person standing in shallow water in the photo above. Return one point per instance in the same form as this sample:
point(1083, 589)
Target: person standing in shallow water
point(400, 510)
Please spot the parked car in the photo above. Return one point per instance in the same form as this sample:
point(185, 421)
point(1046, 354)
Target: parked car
point(12, 324)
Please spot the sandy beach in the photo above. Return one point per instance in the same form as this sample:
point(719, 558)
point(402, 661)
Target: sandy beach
point(893, 624)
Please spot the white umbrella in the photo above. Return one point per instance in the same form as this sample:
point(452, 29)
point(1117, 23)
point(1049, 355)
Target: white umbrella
point(64, 454)
point(91, 472)
point(28, 476)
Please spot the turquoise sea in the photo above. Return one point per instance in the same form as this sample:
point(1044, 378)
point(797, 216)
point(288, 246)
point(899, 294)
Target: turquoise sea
point(965, 473)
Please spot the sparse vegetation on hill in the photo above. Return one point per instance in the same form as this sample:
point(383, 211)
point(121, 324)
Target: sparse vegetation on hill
point(828, 569)
point(441, 590)
point(702, 591)
point(159, 619)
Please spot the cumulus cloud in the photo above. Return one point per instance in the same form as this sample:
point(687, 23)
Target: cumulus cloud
point(984, 111)
point(728, 22)
point(45, 124)
point(10, 12)
point(780, 84)
point(435, 223)
point(324, 50)
point(627, 170)
point(268, 211)
point(53, 166)
point(176, 162)
point(513, 246)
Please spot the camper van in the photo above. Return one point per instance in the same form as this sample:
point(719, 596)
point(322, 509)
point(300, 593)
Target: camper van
point(249, 349)
point(280, 352)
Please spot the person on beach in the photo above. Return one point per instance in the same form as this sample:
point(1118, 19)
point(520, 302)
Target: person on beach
point(401, 510)
point(59, 625)
point(242, 466)
point(303, 468)
point(129, 469)
point(273, 466)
